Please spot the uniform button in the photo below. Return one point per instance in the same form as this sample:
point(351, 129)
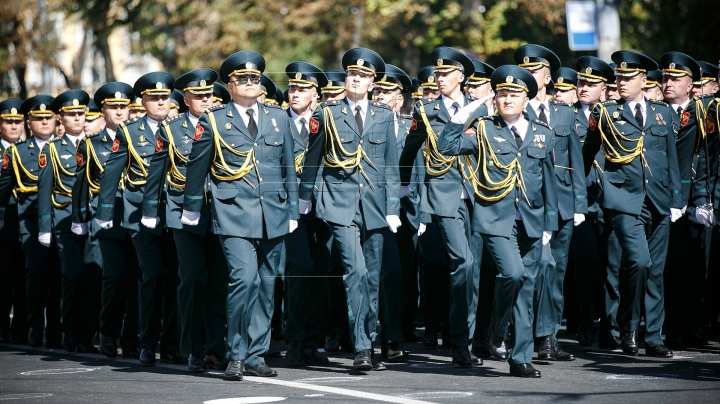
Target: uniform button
point(361, 185)
point(255, 144)
point(644, 150)
point(647, 181)
point(361, 142)
point(519, 154)
point(144, 154)
point(642, 133)
point(259, 179)
point(31, 170)
point(232, 144)
point(67, 165)
point(598, 181)
point(261, 198)
point(306, 149)
point(517, 200)
point(164, 201)
point(498, 150)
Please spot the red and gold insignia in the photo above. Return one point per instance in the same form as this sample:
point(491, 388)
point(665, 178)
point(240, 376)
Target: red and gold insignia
point(79, 158)
point(470, 132)
point(593, 123)
point(709, 124)
point(116, 145)
point(159, 144)
point(199, 132)
point(42, 160)
point(314, 126)
point(684, 118)
point(6, 161)
point(413, 126)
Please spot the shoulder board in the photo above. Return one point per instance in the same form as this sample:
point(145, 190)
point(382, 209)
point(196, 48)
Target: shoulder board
point(407, 116)
point(19, 142)
point(564, 104)
point(215, 108)
point(471, 99)
point(130, 122)
point(175, 118)
point(54, 140)
point(330, 103)
point(659, 103)
point(92, 135)
point(380, 105)
point(704, 97)
point(272, 106)
point(428, 101)
point(541, 123)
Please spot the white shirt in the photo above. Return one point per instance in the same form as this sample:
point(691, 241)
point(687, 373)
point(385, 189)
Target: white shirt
point(535, 104)
point(363, 107)
point(683, 105)
point(643, 108)
point(243, 113)
point(153, 124)
point(586, 110)
point(74, 139)
point(111, 132)
point(5, 144)
point(522, 126)
point(296, 118)
point(396, 125)
point(448, 105)
point(193, 120)
point(39, 142)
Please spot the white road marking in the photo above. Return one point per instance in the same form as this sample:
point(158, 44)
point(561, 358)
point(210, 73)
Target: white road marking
point(23, 396)
point(439, 394)
point(245, 400)
point(336, 390)
point(57, 371)
point(336, 379)
point(641, 377)
point(314, 395)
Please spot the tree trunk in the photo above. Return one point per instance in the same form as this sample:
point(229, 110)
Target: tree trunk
point(20, 74)
point(101, 41)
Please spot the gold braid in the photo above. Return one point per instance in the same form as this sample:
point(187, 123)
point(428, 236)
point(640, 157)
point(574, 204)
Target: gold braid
point(435, 163)
point(20, 187)
point(140, 162)
point(58, 170)
point(175, 177)
point(219, 159)
point(298, 162)
point(332, 159)
point(93, 185)
point(612, 154)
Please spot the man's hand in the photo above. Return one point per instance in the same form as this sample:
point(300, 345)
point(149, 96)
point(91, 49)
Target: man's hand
point(304, 206)
point(588, 181)
point(704, 216)
point(190, 218)
point(675, 214)
point(79, 228)
point(547, 235)
point(150, 222)
point(578, 218)
point(404, 191)
point(45, 238)
point(104, 224)
point(421, 229)
point(293, 225)
point(394, 222)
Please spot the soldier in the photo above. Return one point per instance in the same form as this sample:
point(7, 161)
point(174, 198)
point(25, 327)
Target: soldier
point(708, 83)
point(246, 149)
point(611, 92)
point(448, 199)
point(515, 203)
point(177, 104)
point(358, 190)
point(136, 109)
point(12, 276)
point(202, 269)
point(308, 247)
point(79, 255)
point(428, 85)
point(653, 87)
point(335, 88)
point(478, 85)
point(94, 120)
point(416, 94)
point(20, 168)
point(120, 270)
point(130, 157)
point(221, 95)
point(640, 205)
point(570, 192)
point(565, 81)
point(398, 285)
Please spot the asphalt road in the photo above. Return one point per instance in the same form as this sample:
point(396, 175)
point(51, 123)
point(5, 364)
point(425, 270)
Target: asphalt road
point(54, 376)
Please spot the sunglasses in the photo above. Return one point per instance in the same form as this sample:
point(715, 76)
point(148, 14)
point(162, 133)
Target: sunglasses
point(246, 79)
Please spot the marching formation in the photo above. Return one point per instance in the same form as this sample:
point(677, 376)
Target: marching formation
point(202, 220)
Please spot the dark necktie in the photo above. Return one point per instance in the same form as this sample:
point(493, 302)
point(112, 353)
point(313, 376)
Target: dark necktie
point(455, 107)
point(638, 115)
point(542, 115)
point(518, 138)
point(358, 118)
point(304, 134)
point(252, 125)
point(679, 110)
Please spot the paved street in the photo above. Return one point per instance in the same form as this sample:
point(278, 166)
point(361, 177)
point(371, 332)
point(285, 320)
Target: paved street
point(54, 376)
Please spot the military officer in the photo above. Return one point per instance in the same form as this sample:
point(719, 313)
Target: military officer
point(308, 247)
point(447, 198)
point(19, 178)
point(398, 278)
point(202, 291)
point(565, 81)
point(428, 85)
point(12, 275)
point(177, 104)
point(515, 201)
point(478, 85)
point(611, 92)
point(637, 139)
point(708, 83)
point(221, 95)
point(354, 140)
point(120, 270)
point(335, 88)
point(79, 255)
point(246, 149)
point(415, 94)
point(94, 120)
point(136, 108)
point(653, 87)
point(130, 157)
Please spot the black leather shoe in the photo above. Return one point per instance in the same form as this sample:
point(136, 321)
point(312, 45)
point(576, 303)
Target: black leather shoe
point(461, 358)
point(496, 345)
point(196, 364)
point(377, 365)
point(260, 370)
point(561, 355)
point(332, 344)
point(694, 339)
point(546, 351)
point(396, 353)
point(131, 352)
point(629, 343)
point(658, 351)
point(609, 342)
point(108, 346)
point(86, 347)
point(212, 361)
point(362, 360)
point(585, 337)
point(475, 361)
point(35, 338)
point(272, 353)
point(68, 343)
point(311, 355)
point(429, 339)
point(54, 343)
point(234, 370)
point(147, 357)
point(480, 347)
point(175, 358)
point(293, 356)
point(524, 370)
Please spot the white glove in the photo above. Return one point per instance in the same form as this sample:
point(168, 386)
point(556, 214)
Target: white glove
point(547, 235)
point(675, 214)
point(104, 224)
point(421, 229)
point(305, 206)
point(578, 218)
point(404, 191)
point(293, 225)
point(2, 224)
point(394, 222)
point(465, 112)
point(79, 228)
point(588, 181)
point(684, 208)
point(45, 238)
point(190, 218)
point(704, 217)
point(150, 222)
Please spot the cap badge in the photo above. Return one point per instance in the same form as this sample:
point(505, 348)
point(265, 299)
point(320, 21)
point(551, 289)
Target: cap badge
point(509, 79)
point(118, 94)
point(330, 83)
point(526, 59)
point(360, 62)
point(75, 103)
point(623, 65)
point(560, 80)
point(158, 85)
point(384, 78)
point(248, 65)
point(672, 65)
point(298, 76)
point(431, 79)
point(13, 111)
point(203, 83)
point(439, 62)
point(42, 107)
point(588, 70)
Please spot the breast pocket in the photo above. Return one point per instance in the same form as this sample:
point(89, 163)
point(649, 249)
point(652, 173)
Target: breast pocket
point(536, 156)
point(658, 138)
point(377, 145)
point(561, 138)
point(273, 147)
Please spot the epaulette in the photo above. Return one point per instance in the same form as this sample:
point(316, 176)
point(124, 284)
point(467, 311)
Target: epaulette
point(275, 106)
point(381, 105)
point(471, 99)
point(216, 107)
point(174, 118)
point(54, 139)
point(564, 104)
point(406, 116)
point(129, 122)
point(608, 102)
point(92, 135)
point(541, 123)
point(703, 97)
point(659, 102)
point(330, 102)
